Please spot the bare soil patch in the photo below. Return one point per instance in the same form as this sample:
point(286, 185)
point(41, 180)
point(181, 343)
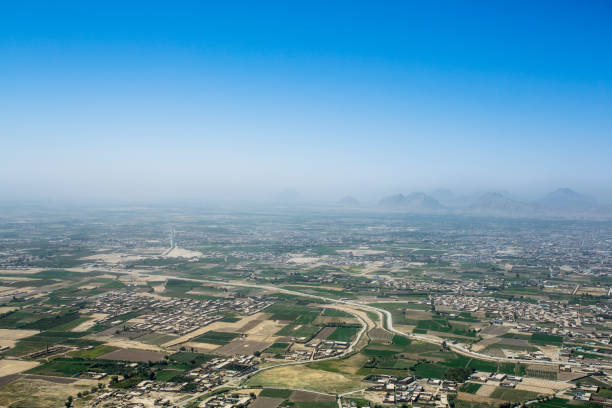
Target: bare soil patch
point(380, 335)
point(56, 380)
point(242, 347)
point(133, 355)
point(325, 333)
point(495, 330)
point(15, 366)
point(305, 396)
point(267, 402)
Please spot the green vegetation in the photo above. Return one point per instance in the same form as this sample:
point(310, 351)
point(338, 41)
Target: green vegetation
point(216, 337)
point(510, 394)
point(546, 339)
point(343, 334)
point(293, 313)
point(336, 313)
point(93, 352)
point(189, 360)
point(470, 388)
point(277, 348)
point(563, 403)
point(275, 393)
point(167, 375)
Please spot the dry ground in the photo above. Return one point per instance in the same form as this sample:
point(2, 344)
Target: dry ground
point(217, 326)
point(297, 376)
point(133, 355)
point(464, 396)
point(89, 323)
point(35, 393)
point(485, 390)
point(8, 337)
point(305, 396)
point(266, 402)
point(8, 367)
point(242, 347)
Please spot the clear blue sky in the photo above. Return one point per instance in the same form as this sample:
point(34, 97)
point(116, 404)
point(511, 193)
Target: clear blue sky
point(151, 100)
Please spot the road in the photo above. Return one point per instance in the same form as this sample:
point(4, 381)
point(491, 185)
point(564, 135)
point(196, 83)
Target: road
point(458, 348)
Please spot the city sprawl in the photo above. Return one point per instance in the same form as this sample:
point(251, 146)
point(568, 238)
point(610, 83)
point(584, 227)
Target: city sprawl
point(184, 307)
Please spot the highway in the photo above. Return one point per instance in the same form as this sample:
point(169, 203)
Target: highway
point(458, 348)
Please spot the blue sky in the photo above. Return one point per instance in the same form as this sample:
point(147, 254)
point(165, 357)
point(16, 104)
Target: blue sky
point(223, 100)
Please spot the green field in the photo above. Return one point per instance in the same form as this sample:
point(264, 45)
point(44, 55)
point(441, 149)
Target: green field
point(563, 403)
point(165, 375)
point(187, 359)
point(275, 393)
point(343, 334)
point(470, 388)
point(216, 337)
point(513, 395)
point(277, 348)
point(546, 339)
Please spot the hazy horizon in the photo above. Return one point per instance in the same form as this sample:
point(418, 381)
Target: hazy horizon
point(146, 102)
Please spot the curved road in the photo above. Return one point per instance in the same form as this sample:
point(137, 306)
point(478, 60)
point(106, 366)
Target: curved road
point(458, 348)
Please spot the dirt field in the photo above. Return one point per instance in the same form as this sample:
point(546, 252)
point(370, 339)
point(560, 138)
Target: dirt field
point(250, 325)
point(89, 323)
point(542, 386)
point(304, 396)
point(8, 367)
point(123, 343)
point(35, 393)
point(381, 335)
point(325, 333)
point(485, 390)
point(217, 326)
point(464, 396)
point(14, 334)
point(264, 331)
point(200, 347)
point(242, 347)
point(307, 378)
point(177, 252)
point(495, 330)
point(266, 402)
point(133, 355)
point(8, 337)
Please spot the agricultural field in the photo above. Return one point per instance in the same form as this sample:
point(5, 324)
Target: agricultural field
point(269, 301)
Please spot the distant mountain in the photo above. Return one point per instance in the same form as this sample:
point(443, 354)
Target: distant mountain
point(396, 200)
point(566, 199)
point(413, 202)
point(496, 204)
point(443, 195)
point(349, 201)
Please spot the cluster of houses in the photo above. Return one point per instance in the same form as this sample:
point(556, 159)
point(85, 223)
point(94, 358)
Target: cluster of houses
point(497, 379)
point(562, 315)
point(431, 392)
point(227, 401)
point(172, 315)
point(205, 377)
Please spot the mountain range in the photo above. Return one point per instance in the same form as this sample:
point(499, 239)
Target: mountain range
point(563, 202)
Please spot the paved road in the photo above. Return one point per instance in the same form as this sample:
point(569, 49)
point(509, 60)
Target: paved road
point(458, 348)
